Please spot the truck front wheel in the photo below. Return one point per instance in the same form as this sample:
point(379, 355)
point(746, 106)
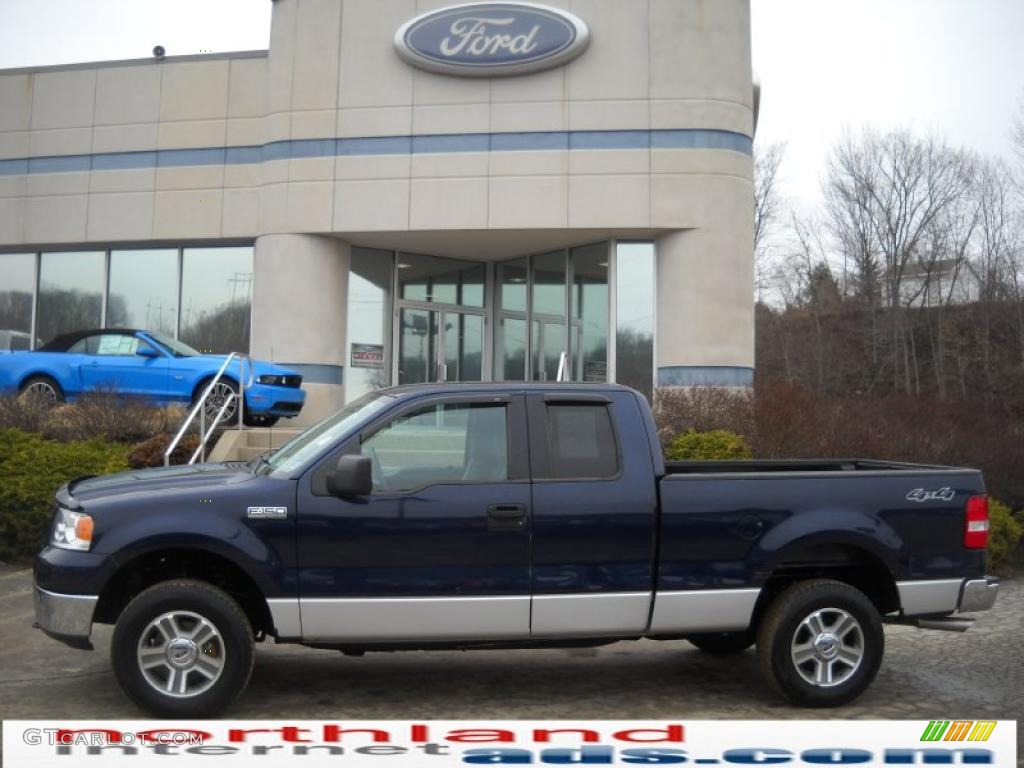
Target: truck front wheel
point(182, 648)
point(821, 643)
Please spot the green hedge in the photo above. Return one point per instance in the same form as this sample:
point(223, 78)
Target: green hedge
point(716, 445)
point(1005, 532)
point(31, 470)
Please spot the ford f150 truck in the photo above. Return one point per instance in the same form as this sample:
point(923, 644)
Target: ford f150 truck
point(506, 516)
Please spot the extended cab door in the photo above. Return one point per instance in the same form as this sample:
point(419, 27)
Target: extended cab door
point(594, 514)
point(441, 549)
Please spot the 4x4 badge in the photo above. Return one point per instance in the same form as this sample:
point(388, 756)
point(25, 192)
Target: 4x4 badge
point(267, 513)
point(921, 495)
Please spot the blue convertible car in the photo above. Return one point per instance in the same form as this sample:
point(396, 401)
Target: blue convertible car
point(148, 365)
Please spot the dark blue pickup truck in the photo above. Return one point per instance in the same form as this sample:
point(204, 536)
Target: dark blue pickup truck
point(507, 516)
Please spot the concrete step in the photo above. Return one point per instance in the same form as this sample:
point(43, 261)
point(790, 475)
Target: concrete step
point(245, 444)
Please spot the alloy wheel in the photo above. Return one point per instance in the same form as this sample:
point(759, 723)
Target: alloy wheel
point(220, 393)
point(181, 654)
point(827, 647)
point(41, 392)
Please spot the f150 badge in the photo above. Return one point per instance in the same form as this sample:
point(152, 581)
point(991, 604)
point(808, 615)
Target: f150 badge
point(921, 495)
point(268, 513)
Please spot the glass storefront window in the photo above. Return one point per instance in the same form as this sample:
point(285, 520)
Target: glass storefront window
point(143, 290)
point(547, 335)
point(440, 281)
point(561, 299)
point(634, 315)
point(19, 286)
point(216, 298)
point(510, 335)
point(70, 293)
point(369, 332)
point(513, 281)
point(590, 313)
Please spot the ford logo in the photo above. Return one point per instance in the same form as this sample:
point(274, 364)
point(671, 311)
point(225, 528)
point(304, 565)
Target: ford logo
point(492, 39)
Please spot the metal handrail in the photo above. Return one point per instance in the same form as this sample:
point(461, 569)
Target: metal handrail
point(563, 368)
point(200, 407)
point(206, 435)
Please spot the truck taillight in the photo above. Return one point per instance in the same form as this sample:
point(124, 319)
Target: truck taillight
point(976, 524)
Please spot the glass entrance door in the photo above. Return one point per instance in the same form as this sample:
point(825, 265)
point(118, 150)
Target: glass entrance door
point(418, 331)
point(463, 350)
point(439, 345)
point(440, 316)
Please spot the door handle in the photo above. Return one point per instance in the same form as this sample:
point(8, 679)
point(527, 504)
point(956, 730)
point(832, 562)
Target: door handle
point(506, 517)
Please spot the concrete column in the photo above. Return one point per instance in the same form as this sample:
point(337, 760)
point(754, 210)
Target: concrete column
point(705, 284)
point(300, 311)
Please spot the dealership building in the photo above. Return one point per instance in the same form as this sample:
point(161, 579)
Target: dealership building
point(403, 191)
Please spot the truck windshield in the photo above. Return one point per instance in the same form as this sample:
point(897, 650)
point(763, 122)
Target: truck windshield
point(302, 449)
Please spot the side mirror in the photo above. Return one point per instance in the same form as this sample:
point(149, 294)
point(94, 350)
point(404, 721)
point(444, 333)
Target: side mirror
point(145, 350)
point(353, 476)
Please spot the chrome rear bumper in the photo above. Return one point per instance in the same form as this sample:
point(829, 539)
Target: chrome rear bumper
point(67, 618)
point(978, 594)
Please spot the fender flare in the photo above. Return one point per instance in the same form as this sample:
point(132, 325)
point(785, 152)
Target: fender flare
point(847, 528)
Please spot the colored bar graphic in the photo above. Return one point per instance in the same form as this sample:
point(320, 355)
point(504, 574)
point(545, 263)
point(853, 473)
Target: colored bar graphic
point(934, 730)
point(958, 730)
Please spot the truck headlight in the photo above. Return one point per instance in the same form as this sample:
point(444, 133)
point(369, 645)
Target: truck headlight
point(72, 530)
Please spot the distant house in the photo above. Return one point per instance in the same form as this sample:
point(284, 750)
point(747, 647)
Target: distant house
point(927, 284)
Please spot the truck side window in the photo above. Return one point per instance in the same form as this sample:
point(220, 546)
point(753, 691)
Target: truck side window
point(438, 444)
point(581, 442)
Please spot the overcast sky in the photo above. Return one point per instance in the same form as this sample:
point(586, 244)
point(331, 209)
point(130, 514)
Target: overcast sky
point(952, 67)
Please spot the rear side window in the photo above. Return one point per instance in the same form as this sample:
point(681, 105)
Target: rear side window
point(581, 442)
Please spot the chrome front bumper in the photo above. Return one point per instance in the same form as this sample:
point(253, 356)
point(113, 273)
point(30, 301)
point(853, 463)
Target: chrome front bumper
point(67, 618)
point(978, 595)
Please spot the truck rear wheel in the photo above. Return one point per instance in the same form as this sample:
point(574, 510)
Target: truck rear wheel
point(182, 648)
point(821, 643)
point(723, 643)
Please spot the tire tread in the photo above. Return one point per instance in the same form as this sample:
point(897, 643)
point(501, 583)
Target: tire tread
point(225, 601)
point(779, 611)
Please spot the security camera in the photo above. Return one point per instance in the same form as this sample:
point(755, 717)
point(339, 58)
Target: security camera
point(158, 51)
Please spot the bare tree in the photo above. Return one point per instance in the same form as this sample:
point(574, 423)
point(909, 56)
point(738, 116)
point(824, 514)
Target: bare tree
point(885, 193)
point(998, 263)
point(911, 281)
point(767, 204)
point(849, 209)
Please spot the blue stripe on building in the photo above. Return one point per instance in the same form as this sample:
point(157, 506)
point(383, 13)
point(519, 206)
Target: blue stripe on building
point(705, 376)
point(536, 141)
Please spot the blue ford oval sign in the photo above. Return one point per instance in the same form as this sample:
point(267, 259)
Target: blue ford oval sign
point(491, 39)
